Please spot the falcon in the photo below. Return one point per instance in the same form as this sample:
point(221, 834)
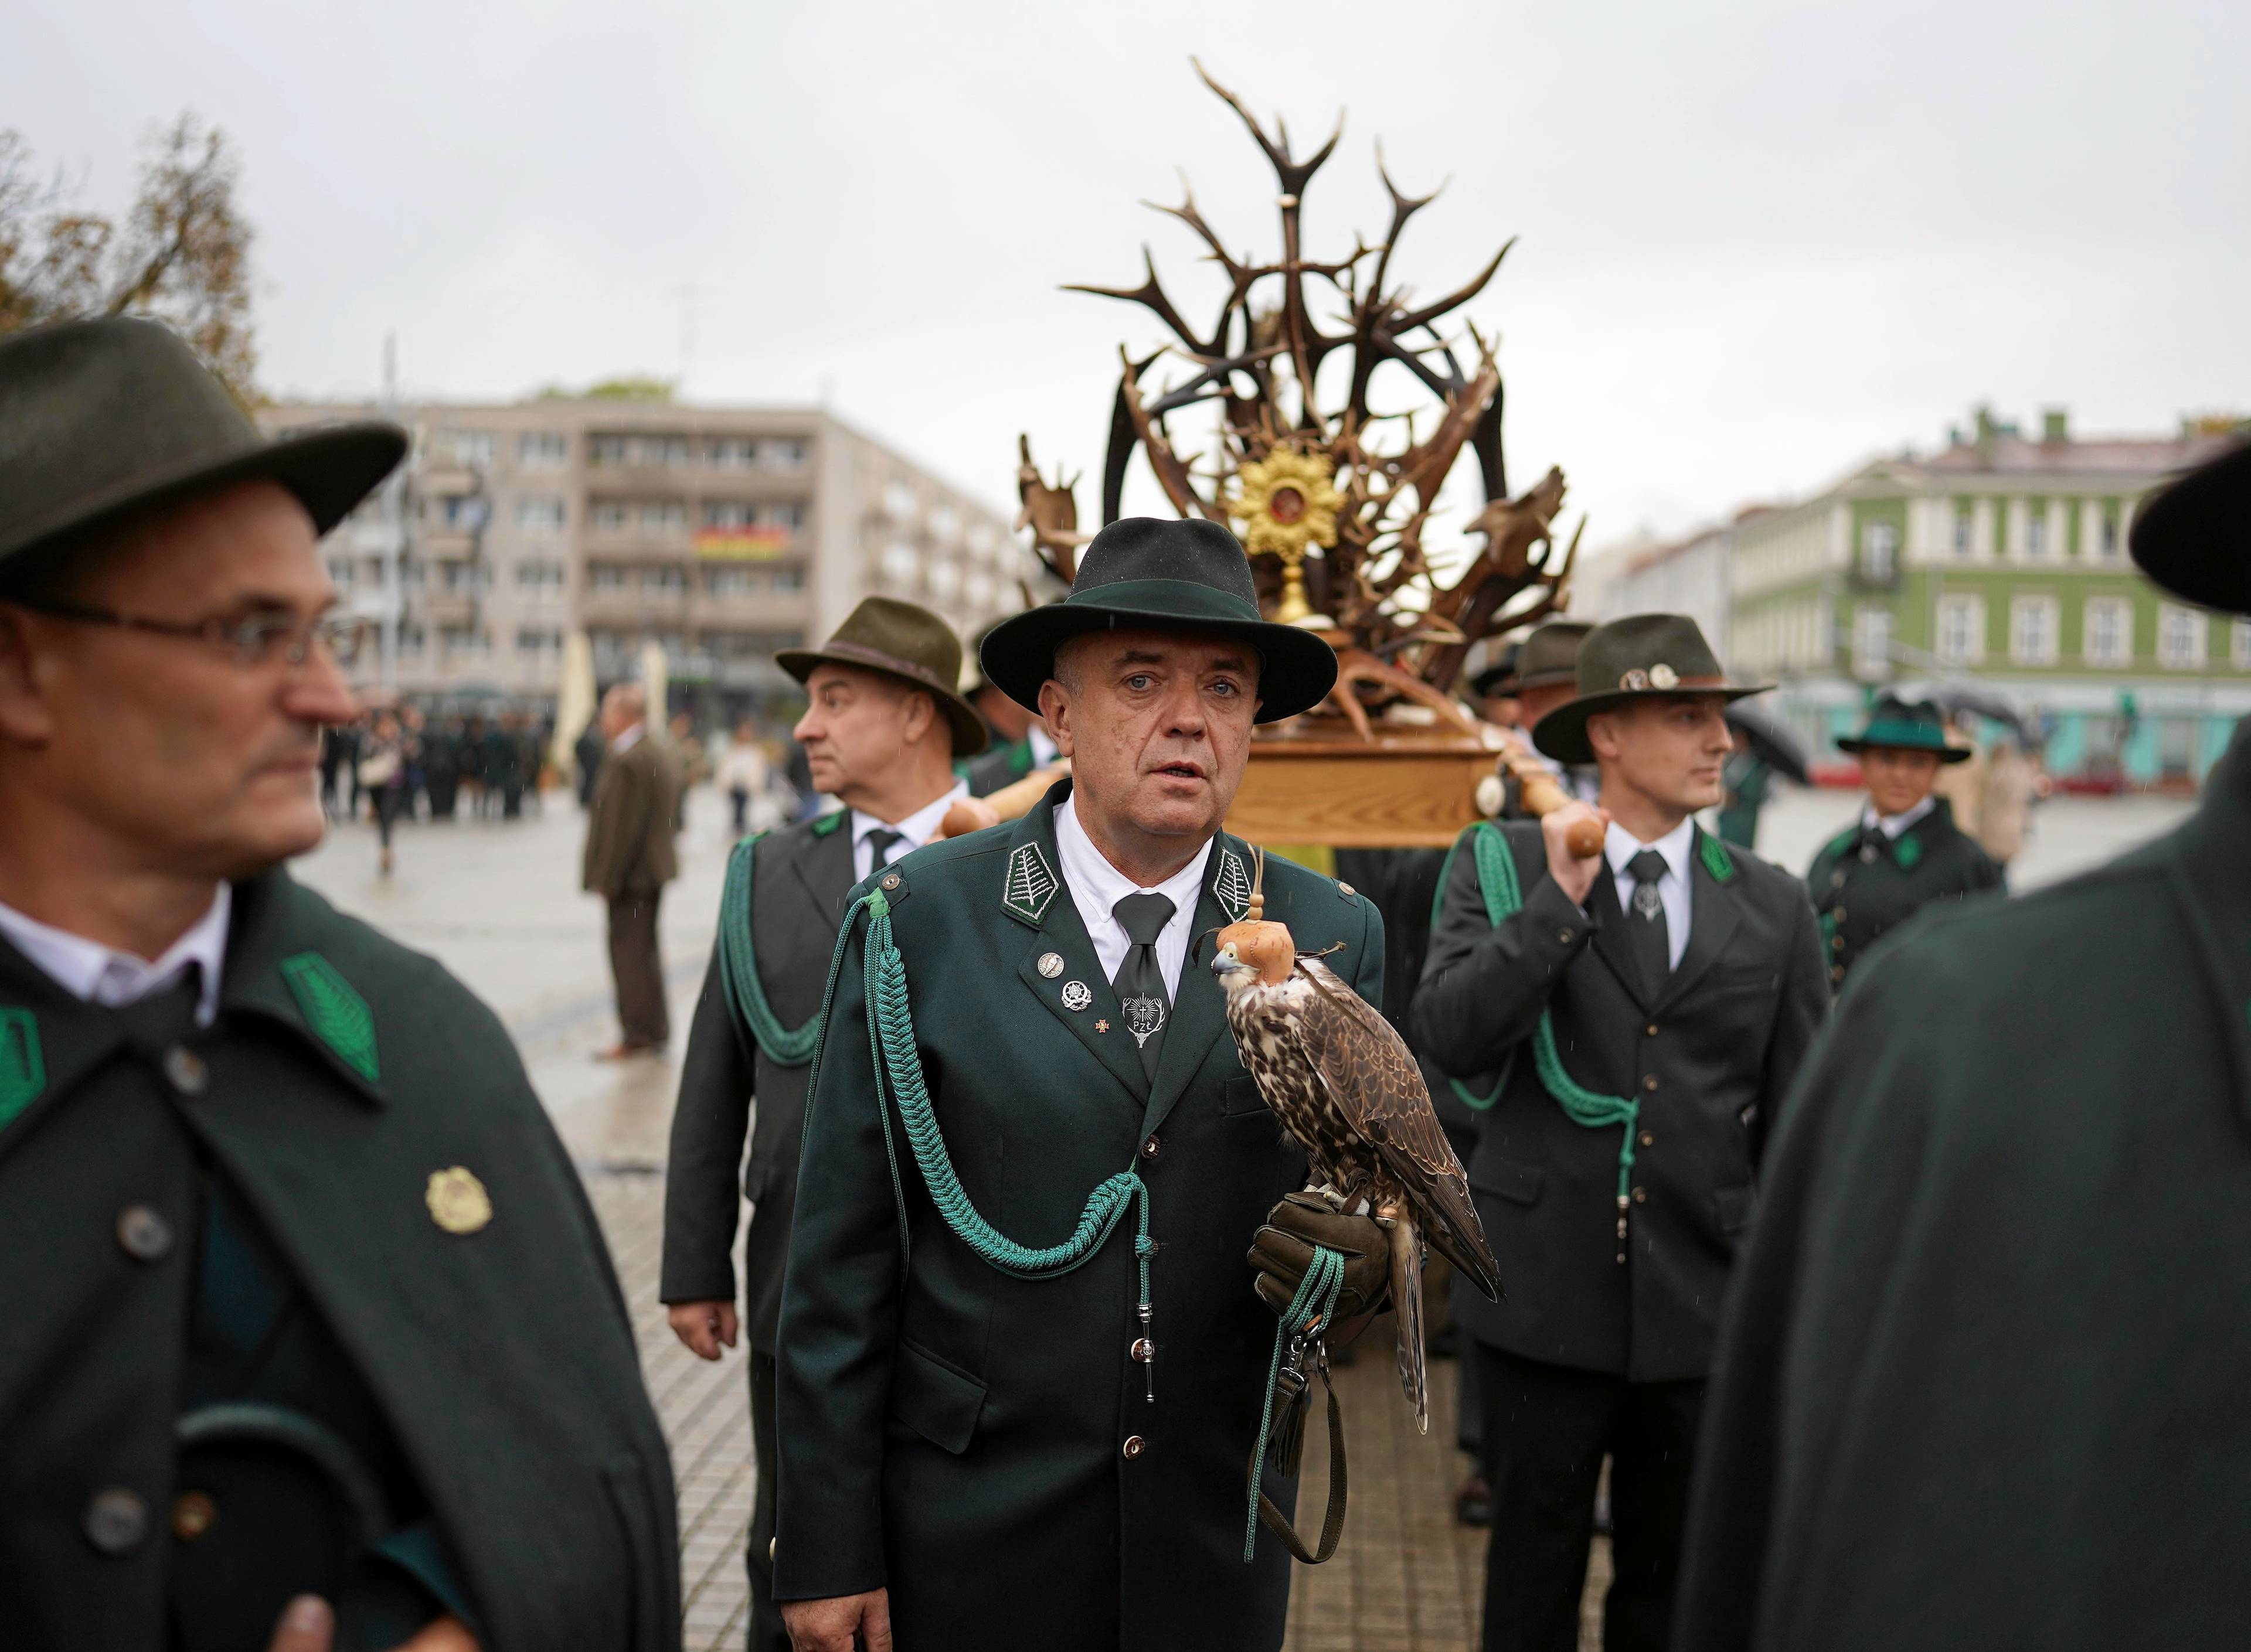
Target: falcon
point(1344, 1085)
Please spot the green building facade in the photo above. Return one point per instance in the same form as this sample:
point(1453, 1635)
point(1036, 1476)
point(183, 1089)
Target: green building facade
point(1999, 561)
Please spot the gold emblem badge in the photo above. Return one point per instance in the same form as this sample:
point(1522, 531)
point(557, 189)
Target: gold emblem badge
point(1663, 676)
point(458, 1200)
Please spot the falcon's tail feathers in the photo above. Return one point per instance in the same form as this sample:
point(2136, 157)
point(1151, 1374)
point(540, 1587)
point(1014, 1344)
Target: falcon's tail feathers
point(1406, 1306)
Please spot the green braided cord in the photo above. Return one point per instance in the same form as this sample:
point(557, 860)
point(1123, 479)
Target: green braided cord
point(1504, 898)
point(1315, 1301)
point(898, 1069)
point(739, 971)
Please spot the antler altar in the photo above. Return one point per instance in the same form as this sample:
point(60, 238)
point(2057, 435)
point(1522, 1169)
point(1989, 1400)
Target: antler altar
point(1327, 483)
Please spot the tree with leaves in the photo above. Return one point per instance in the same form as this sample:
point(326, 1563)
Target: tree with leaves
point(181, 254)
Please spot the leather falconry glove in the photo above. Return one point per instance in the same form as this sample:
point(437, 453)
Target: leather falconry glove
point(1282, 1250)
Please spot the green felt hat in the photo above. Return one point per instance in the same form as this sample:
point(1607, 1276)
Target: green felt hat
point(1148, 573)
point(1905, 725)
point(900, 640)
point(1641, 657)
point(101, 419)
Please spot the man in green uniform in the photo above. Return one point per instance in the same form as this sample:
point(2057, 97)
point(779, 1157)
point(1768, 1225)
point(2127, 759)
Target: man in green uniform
point(1982, 1378)
point(882, 733)
point(1906, 851)
point(987, 1443)
point(302, 1297)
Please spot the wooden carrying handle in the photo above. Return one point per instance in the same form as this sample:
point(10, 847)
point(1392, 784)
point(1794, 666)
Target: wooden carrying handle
point(1011, 802)
point(1542, 796)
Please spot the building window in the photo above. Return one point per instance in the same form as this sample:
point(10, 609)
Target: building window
point(604, 576)
point(2239, 645)
point(946, 522)
point(412, 640)
point(1961, 630)
point(340, 572)
point(2032, 627)
point(540, 517)
point(473, 449)
point(977, 589)
point(731, 582)
point(660, 452)
point(2107, 631)
point(1879, 553)
point(900, 563)
point(785, 453)
point(664, 516)
point(2180, 637)
point(540, 577)
point(543, 450)
point(789, 579)
point(2106, 538)
point(1872, 643)
point(1965, 531)
point(2036, 528)
point(465, 578)
point(945, 578)
point(669, 581)
point(464, 641)
point(463, 513)
point(899, 502)
point(538, 641)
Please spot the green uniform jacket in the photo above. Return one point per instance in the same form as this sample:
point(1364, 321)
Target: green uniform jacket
point(343, 1072)
point(1864, 885)
point(960, 1435)
point(1982, 1382)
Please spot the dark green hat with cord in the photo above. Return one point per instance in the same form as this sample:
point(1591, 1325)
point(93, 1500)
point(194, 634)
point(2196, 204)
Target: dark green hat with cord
point(900, 640)
point(1548, 658)
point(102, 419)
point(1149, 573)
point(2194, 537)
point(1905, 725)
point(1644, 657)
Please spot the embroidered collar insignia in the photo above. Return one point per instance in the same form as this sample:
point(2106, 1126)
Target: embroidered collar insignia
point(1717, 861)
point(1907, 849)
point(1232, 886)
point(334, 1012)
point(1031, 884)
point(23, 1070)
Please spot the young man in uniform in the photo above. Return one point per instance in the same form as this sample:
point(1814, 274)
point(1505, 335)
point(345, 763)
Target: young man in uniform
point(988, 1459)
point(883, 732)
point(1906, 852)
point(1982, 1381)
point(304, 1297)
point(1634, 1019)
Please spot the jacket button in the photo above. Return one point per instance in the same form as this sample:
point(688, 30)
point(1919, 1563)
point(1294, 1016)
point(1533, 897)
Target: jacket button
point(1649, 1083)
point(185, 1071)
point(116, 1520)
point(143, 1235)
point(1564, 936)
point(1134, 1445)
point(1649, 1138)
point(1641, 1195)
point(891, 881)
point(1651, 1029)
point(193, 1514)
point(1836, 943)
point(1151, 1148)
point(1836, 880)
point(1836, 971)
point(1838, 915)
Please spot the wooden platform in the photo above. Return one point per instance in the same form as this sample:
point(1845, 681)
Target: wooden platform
point(1401, 791)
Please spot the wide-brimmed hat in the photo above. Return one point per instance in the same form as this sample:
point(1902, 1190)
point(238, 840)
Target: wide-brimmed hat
point(900, 640)
point(1904, 725)
point(1548, 658)
point(1148, 573)
point(1500, 677)
point(1637, 658)
point(2194, 537)
point(101, 419)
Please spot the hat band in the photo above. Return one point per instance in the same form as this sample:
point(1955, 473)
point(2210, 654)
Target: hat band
point(879, 661)
point(1895, 733)
point(1169, 598)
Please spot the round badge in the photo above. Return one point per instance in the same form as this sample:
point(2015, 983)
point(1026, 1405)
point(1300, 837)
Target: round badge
point(1050, 965)
point(1075, 995)
point(1663, 676)
point(1634, 681)
point(458, 1200)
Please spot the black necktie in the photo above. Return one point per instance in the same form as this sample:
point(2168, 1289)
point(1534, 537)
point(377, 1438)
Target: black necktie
point(155, 1023)
point(879, 844)
point(1652, 943)
point(1140, 983)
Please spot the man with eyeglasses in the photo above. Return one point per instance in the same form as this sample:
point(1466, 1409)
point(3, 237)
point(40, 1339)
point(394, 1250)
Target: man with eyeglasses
point(281, 1216)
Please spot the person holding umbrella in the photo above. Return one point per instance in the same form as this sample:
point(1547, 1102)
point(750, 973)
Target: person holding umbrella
point(1905, 852)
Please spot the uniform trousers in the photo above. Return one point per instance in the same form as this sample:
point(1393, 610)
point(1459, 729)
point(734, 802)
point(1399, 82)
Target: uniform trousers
point(1547, 1429)
point(766, 1632)
point(643, 1016)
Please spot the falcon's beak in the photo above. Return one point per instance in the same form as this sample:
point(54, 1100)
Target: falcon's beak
point(1224, 962)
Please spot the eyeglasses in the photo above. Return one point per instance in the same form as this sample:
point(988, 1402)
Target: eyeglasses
point(257, 639)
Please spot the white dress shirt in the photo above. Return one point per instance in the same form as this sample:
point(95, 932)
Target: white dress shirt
point(914, 831)
point(1096, 886)
point(628, 740)
point(1892, 825)
point(93, 973)
point(1620, 846)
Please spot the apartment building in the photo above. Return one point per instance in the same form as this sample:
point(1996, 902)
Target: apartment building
point(720, 534)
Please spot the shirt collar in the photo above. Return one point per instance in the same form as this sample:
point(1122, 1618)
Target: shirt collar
point(1620, 846)
point(95, 973)
point(917, 826)
point(1088, 871)
point(1892, 825)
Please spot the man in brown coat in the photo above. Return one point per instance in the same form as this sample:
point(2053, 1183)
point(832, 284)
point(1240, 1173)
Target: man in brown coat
point(629, 860)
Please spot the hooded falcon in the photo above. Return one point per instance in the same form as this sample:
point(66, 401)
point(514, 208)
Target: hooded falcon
point(1344, 1085)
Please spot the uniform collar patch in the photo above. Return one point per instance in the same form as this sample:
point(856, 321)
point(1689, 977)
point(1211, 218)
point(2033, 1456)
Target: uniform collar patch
point(23, 1070)
point(1231, 888)
point(1713, 853)
point(823, 825)
point(1907, 849)
point(334, 1012)
point(1031, 883)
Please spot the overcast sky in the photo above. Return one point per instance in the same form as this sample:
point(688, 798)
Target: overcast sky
point(1759, 242)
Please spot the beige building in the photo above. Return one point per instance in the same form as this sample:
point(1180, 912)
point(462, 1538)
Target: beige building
point(720, 533)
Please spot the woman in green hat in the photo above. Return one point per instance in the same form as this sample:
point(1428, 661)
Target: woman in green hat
point(1905, 851)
